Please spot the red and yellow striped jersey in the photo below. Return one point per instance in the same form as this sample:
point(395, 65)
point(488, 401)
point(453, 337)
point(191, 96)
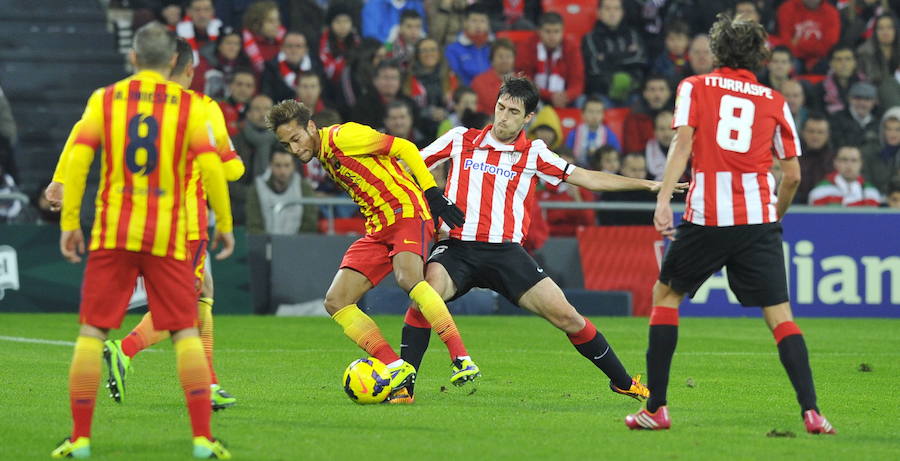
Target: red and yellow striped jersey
point(150, 130)
point(197, 213)
point(365, 163)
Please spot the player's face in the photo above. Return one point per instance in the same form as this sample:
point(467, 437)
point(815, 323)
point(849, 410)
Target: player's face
point(201, 12)
point(411, 30)
point(509, 118)
point(294, 48)
point(298, 140)
point(230, 46)
point(429, 53)
point(892, 132)
point(657, 93)
point(309, 90)
point(271, 24)
point(885, 30)
point(780, 65)
point(848, 163)
point(551, 35)
point(341, 25)
point(503, 61)
point(815, 134)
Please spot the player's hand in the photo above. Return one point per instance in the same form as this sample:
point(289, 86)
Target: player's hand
point(71, 245)
point(226, 239)
point(663, 220)
point(444, 208)
point(54, 194)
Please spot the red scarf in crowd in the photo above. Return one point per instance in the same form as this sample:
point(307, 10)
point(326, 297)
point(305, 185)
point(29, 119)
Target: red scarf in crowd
point(513, 10)
point(185, 30)
point(547, 76)
point(252, 48)
point(288, 74)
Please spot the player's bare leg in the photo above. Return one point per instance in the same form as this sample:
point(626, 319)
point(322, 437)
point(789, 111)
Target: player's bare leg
point(795, 358)
point(408, 268)
point(546, 299)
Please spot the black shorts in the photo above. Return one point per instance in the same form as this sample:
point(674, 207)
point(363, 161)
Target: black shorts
point(751, 254)
point(503, 267)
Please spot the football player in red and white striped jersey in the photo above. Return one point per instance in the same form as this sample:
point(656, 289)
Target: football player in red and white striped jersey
point(493, 174)
point(732, 124)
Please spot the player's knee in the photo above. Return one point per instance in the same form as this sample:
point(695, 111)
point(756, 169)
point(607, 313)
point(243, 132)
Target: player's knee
point(566, 318)
point(334, 303)
point(406, 282)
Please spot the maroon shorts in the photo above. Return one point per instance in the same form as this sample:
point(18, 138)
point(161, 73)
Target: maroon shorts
point(371, 255)
point(197, 253)
point(109, 280)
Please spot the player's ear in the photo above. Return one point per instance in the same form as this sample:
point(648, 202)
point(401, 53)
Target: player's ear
point(311, 126)
point(529, 117)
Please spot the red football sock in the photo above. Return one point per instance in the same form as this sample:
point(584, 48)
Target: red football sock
point(193, 371)
point(84, 379)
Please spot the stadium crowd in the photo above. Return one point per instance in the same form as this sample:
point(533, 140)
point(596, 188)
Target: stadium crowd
point(607, 71)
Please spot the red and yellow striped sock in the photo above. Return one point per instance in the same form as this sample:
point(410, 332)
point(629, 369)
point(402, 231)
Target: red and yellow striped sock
point(193, 372)
point(84, 379)
point(142, 337)
point(435, 311)
point(362, 330)
point(204, 313)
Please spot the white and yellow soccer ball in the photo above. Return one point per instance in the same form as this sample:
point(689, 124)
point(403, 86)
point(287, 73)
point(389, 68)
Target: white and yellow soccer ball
point(367, 381)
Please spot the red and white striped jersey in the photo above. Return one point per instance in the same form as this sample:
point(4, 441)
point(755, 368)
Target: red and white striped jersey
point(738, 124)
point(494, 183)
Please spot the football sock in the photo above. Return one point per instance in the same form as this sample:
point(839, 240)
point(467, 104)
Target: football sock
point(663, 338)
point(795, 358)
point(84, 379)
point(416, 334)
point(142, 336)
point(361, 329)
point(193, 372)
point(204, 314)
point(593, 346)
point(435, 312)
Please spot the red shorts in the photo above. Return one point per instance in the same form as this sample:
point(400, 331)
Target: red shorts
point(371, 255)
point(109, 280)
point(197, 253)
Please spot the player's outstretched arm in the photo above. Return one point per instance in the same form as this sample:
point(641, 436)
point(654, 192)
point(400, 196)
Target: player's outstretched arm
point(790, 181)
point(605, 182)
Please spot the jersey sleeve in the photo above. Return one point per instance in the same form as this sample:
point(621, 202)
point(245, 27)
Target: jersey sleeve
point(354, 139)
point(785, 140)
point(201, 136)
point(87, 135)
point(59, 174)
point(231, 162)
point(551, 168)
point(444, 147)
point(685, 105)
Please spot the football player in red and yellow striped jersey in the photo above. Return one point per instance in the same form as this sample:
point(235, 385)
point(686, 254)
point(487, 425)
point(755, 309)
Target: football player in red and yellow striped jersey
point(149, 130)
point(398, 207)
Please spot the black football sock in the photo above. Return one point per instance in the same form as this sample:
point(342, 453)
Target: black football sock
point(662, 342)
point(795, 358)
point(593, 346)
point(415, 338)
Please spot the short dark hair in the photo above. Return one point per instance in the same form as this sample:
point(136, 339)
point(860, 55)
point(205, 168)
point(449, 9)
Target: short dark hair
point(475, 8)
point(522, 89)
point(185, 56)
point(738, 43)
point(460, 91)
point(550, 17)
point(655, 77)
point(816, 117)
point(782, 49)
point(409, 14)
point(326, 117)
point(677, 27)
point(239, 71)
point(603, 150)
point(841, 47)
point(278, 151)
point(593, 99)
point(286, 111)
point(477, 120)
point(386, 65)
point(500, 44)
point(398, 103)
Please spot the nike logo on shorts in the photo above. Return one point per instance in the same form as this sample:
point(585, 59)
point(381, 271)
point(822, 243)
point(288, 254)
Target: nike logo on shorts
point(410, 242)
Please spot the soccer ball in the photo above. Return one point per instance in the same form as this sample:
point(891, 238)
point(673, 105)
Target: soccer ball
point(367, 381)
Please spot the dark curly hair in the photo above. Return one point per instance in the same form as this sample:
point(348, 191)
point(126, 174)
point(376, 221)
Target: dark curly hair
point(738, 43)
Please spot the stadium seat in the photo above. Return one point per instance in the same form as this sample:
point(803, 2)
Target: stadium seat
point(615, 120)
point(518, 37)
point(344, 226)
point(578, 17)
point(569, 117)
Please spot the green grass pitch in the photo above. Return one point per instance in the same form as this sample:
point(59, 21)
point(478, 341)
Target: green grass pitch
point(538, 398)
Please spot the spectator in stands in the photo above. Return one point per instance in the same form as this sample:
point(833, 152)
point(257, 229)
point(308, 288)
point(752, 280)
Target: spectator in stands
point(700, 57)
point(279, 78)
point(634, 165)
point(858, 20)
point(553, 61)
point(778, 69)
point(487, 84)
point(858, 124)
point(464, 100)
point(638, 127)
point(402, 46)
point(879, 56)
point(606, 159)
point(591, 133)
point(673, 62)
point(169, 13)
point(831, 93)
point(614, 55)
point(883, 165)
point(475, 119)
point(281, 184)
point(470, 54)
point(818, 155)
point(893, 195)
point(254, 143)
point(793, 93)
point(309, 91)
point(445, 19)
point(234, 107)
point(657, 149)
point(845, 186)
point(381, 18)
point(337, 40)
point(218, 63)
point(10, 209)
point(809, 28)
point(547, 127)
point(430, 84)
point(370, 109)
point(356, 79)
point(262, 33)
point(398, 122)
point(201, 27)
